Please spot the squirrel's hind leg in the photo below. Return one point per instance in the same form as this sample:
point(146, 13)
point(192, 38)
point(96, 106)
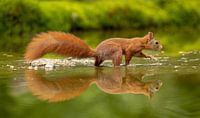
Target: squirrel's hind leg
point(117, 58)
point(98, 61)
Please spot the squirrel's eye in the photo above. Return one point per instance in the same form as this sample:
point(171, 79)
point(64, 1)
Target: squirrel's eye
point(156, 42)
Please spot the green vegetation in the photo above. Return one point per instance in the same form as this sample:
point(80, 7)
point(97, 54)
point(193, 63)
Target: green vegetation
point(28, 16)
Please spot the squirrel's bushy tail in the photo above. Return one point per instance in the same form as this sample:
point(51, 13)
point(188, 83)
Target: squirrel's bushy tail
point(59, 43)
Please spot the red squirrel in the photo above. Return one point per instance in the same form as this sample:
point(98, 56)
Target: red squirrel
point(111, 49)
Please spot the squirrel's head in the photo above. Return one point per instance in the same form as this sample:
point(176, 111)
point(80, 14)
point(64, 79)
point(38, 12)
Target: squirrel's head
point(151, 42)
point(153, 87)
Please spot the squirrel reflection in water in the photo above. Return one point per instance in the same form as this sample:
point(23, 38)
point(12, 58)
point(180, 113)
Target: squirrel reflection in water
point(109, 80)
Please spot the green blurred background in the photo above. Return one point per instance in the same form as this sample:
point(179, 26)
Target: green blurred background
point(22, 19)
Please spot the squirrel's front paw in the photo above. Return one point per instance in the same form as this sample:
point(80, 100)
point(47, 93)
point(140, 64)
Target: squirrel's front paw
point(122, 64)
point(151, 57)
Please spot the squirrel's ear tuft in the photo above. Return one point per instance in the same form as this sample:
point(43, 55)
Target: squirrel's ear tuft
point(150, 35)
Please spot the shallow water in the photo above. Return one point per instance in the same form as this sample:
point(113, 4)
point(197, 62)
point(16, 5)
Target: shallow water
point(168, 87)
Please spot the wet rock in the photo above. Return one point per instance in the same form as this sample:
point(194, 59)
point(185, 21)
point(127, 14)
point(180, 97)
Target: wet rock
point(49, 65)
point(30, 67)
point(52, 63)
point(35, 68)
point(194, 67)
point(39, 62)
point(193, 59)
point(7, 55)
point(176, 66)
point(11, 67)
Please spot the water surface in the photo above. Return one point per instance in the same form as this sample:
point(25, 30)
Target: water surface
point(167, 87)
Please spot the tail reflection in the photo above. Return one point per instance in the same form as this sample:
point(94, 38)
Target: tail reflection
point(109, 80)
point(55, 90)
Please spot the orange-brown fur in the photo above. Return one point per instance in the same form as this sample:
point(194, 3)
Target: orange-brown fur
point(57, 42)
point(70, 45)
point(60, 89)
point(109, 80)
